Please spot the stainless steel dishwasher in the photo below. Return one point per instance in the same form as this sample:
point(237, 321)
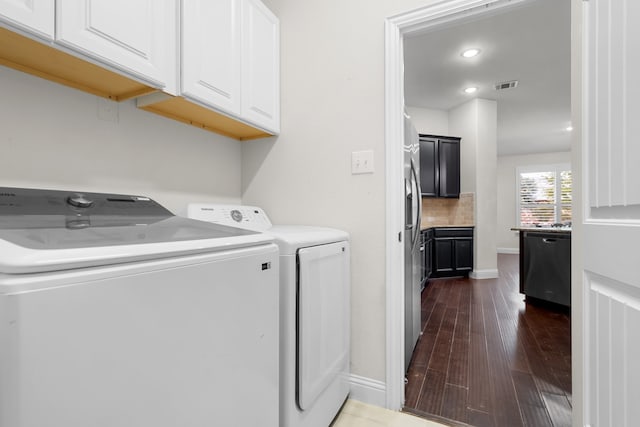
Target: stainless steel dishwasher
point(547, 266)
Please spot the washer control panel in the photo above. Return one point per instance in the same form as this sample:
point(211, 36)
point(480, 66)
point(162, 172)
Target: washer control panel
point(239, 216)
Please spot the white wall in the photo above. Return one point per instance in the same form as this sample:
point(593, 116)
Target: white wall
point(332, 62)
point(476, 123)
point(52, 138)
point(463, 120)
point(486, 255)
point(507, 240)
point(429, 120)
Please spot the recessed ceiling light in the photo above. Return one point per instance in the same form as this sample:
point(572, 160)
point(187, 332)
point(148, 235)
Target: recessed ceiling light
point(470, 89)
point(569, 128)
point(470, 53)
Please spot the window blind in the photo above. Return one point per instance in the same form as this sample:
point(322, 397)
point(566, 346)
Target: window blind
point(544, 197)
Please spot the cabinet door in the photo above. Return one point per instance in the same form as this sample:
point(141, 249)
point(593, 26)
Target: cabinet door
point(449, 161)
point(211, 48)
point(34, 16)
point(428, 257)
point(136, 37)
point(444, 255)
point(260, 66)
point(463, 254)
point(429, 166)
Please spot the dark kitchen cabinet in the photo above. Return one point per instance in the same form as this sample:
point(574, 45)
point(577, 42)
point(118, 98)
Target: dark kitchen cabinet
point(444, 256)
point(428, 166)
point(427, 255)
point(439, 166)
point(453, 251)
point(463, 253)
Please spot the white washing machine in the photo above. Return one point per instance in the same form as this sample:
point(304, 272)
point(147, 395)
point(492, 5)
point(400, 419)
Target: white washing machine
point(115, 313)
point(314, 316)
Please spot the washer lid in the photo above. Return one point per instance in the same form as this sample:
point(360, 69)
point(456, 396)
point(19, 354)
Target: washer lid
point(45, 230)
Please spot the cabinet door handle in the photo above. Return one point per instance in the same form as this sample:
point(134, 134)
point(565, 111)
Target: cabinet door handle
point(548, 240)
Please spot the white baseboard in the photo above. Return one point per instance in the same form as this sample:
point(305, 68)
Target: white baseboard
point(514, 251)
point(367, 390)
point(484, 274)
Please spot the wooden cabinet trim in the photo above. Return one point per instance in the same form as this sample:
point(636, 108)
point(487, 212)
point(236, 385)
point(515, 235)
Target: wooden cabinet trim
point(185, 111)
point(33, 57)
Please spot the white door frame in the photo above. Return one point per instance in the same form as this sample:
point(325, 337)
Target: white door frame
point(396, 27)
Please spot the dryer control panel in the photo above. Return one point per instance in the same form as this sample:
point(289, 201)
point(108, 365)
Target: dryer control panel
point(245, 217)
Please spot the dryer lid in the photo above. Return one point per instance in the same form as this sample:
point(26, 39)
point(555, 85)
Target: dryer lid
point(290, 238)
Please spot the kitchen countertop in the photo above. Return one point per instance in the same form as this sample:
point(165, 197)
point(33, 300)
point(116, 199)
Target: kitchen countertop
point(435, 225)
point(543, 229)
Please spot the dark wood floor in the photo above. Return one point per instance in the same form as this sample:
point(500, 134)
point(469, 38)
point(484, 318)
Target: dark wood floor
point(488, 359)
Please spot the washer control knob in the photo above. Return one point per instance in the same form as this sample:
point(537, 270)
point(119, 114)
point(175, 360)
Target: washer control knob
point(236, 215)
point(79, 201)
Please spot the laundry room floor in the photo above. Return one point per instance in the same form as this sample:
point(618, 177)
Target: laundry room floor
point(358, 414)
point(488, 359)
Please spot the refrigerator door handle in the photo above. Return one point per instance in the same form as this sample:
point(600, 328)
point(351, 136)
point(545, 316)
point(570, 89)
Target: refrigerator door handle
point(408, 208)
point(416, 182)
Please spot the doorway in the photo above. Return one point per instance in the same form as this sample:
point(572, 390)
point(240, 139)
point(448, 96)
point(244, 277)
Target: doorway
point(398, 28)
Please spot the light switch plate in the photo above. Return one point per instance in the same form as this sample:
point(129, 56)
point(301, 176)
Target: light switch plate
point(361, 162)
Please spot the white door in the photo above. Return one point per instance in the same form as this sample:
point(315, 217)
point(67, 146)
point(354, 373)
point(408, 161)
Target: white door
point(211, 49)
point(611, 226)
point(34, 16)
point(136, 37)
point(260, 66)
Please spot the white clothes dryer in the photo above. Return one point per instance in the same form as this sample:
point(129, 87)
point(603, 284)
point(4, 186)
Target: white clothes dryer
point(314, 312)
point(114, 312)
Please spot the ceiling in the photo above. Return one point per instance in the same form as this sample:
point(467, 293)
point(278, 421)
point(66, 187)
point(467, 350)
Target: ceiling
point(529, 43)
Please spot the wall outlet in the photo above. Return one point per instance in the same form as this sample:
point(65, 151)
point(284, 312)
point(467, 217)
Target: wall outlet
point(361, 162)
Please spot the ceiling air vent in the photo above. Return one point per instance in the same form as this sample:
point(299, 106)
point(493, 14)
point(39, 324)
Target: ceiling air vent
point(506, 85)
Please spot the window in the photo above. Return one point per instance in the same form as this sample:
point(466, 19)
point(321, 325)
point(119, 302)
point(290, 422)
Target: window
point(544, 195)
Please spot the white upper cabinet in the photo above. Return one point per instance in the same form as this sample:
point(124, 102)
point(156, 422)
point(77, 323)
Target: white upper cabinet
point(211, 53)
point(230, 59)
point(260, 66)
point(137, 37)
point(33, 16)
point(216, 62)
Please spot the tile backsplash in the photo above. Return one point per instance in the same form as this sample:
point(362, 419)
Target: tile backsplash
point(443, 212)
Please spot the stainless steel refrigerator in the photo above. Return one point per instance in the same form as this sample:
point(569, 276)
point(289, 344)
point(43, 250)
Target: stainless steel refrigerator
point(412, 254)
